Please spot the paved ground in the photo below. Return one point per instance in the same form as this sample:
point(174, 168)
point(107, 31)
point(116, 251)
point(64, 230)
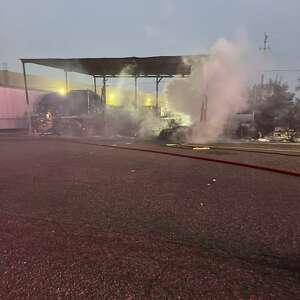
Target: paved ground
point(84, 221)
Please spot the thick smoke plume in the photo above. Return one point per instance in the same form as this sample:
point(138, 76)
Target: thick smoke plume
point(218, 80)
point(130, 119)
point(131, 122)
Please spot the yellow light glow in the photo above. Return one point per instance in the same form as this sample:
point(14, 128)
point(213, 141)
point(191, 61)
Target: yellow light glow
point(62, 91)
point(48, 115)
point(111, 99)
point(201, 148)
point(148, 102)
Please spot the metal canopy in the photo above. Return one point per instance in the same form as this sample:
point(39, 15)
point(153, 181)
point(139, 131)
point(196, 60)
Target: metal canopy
point(132, 66)
point(157, 67)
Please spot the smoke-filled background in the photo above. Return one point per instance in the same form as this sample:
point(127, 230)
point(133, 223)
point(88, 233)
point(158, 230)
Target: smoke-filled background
point(128, 119)
point(218, 80)
point(214, 93)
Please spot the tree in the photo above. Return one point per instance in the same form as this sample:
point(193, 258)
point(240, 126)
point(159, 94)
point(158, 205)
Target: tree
point(273, 105)
point(295, 116)
point(297, 88)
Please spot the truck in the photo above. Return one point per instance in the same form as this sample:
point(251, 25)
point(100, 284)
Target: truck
point(73, 114)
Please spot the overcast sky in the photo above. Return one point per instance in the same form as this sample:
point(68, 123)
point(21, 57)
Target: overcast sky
point(96, 28)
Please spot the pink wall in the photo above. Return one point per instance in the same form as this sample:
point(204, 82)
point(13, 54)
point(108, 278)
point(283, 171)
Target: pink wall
point(13, 106)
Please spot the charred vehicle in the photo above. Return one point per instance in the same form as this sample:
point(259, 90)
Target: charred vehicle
point(74, 114)
point(283, 135)
point(175, 134)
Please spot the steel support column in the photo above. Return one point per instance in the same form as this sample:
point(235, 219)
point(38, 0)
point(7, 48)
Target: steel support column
point(88, 101)
point(262, 79)
point(157, 81)
point(135, 93)
point(66, 82)
point(95, 85)
point(104, 90)
point(27, 99)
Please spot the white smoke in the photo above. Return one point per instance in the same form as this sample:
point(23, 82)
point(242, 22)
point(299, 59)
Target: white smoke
point(220, 79)
point(150, 125)
point(131, 118)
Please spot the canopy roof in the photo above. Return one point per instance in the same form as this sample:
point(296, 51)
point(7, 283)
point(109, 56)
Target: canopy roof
point(133, 66)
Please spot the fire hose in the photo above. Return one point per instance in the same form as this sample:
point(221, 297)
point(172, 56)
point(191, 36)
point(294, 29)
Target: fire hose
point(228, 162)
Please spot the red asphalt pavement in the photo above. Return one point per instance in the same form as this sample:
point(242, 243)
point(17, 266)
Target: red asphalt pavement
point(83, 221)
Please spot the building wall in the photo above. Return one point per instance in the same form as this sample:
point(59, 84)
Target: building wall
point(13, 106)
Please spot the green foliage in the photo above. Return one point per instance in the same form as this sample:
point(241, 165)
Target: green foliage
point(296, 115)
point(274, 106)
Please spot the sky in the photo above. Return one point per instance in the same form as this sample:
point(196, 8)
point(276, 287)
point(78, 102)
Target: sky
point(96, 28)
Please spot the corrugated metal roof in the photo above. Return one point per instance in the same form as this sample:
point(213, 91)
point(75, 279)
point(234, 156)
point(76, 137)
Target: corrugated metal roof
point(135, 66)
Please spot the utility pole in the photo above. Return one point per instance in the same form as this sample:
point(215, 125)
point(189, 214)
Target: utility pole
point(266, 44)
point(203, 116)
point(264, 50)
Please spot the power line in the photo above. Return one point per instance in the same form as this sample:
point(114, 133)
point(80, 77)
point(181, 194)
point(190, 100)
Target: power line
point(281, 70)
